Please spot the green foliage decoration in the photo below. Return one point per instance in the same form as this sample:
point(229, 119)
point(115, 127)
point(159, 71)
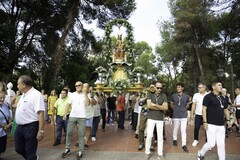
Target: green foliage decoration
point(100, 69)
point(120, 85)
point(129, 45)
point(138, 69)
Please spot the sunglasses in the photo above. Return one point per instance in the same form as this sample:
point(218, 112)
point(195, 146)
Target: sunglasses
point(78, 85)
point(159, 87)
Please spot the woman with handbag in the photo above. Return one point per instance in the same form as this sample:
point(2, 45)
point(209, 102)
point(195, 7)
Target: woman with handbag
point(5, 122)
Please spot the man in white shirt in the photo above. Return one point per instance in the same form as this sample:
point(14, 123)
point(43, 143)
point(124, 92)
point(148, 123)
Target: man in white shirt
point(29, 119)
point(78, 102)
point(237, 104)
point(197, 110)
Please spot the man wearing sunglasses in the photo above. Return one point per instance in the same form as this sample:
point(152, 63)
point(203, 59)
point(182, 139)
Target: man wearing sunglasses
point(157, 104)
point(78, 102)
point(180, 104)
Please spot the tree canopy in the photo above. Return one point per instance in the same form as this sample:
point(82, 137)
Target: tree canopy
point(42, 36)
point(199, 38)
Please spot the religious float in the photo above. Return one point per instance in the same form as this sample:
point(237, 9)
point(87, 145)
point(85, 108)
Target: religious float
point(120, 75)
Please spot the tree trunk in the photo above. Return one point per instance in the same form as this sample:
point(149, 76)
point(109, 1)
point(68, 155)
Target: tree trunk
point(59, 51)
point(202, 75)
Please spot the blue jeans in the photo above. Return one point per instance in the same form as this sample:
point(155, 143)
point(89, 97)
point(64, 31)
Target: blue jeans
point(197, 125)
point(111, 114)
point(61, 125)
point(72, 122)
point(25, 138)
point(94, 129)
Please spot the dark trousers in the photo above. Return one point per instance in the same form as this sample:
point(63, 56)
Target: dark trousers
point(121, 115)
point(61, 125)
point(197, 125)
point(3, 144)
point(135, 120)
point(103, 114)
point(111, 114)
point(94, 129)
point(26, 140)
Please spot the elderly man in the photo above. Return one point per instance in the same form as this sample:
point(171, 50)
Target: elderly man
point(29, 118)
point(78, 102)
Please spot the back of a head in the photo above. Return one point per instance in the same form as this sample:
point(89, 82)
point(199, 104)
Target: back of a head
point(27, 80)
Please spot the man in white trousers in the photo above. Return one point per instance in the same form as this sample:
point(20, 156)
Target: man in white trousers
point(157, 104)
point(214, 109)
point(180, 104)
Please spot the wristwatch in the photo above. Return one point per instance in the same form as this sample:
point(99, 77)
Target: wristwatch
point(41, 131)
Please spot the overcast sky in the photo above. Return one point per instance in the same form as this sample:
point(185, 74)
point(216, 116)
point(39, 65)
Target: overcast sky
point(144, 21)
point(145, 18)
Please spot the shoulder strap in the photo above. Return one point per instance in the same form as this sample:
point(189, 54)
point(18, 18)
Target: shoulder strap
point(4, 116)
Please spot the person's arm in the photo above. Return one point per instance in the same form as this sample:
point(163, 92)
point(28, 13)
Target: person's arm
point(193, 110)
point(49, 102)
point(40, 134)
point(55, 106)
point(87, 100)
point(93, 100)
point(227, 116)
point(204, 116)
point(6, 126)
point(188, 103)
point(67, 110)
point(235, 105)
point(172, 104)
point(15, 103)
point(153, 106)
point(123, 103)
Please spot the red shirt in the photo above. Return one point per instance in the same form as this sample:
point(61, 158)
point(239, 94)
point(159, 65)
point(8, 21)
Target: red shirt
point(120, 103)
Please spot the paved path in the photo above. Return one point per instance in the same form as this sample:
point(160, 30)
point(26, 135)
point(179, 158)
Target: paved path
point(55, 154)
point(115, 144)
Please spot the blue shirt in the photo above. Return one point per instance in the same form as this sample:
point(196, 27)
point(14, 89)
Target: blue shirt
point(180, 104)
point(4, 108)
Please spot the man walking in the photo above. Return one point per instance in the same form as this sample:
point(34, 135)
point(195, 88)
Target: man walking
point(78, 102)
point(214, 109)
point(236, 105)
point(111, 101)
point(197, 110)
point(60, 107)
point(29, 119)
point(121, 110)
point(179, 104)
point(157, 104)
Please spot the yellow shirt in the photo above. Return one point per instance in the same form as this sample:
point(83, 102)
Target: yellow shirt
point(60, 105)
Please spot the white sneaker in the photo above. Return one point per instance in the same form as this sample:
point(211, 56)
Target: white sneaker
point(93, 139)
point(199, 156)
point(195, 142)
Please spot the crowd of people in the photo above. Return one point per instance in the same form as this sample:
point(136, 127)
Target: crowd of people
point(27, 111)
